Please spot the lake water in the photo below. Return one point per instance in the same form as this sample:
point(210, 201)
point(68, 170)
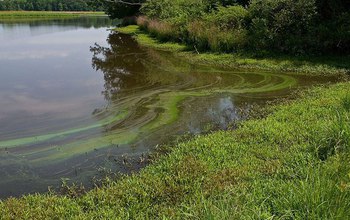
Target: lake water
point(77, 98)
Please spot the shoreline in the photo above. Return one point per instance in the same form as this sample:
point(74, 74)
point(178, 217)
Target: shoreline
point(333, 65)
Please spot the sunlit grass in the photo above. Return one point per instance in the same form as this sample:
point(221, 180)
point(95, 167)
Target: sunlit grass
point(346, 101)
point(145, 40)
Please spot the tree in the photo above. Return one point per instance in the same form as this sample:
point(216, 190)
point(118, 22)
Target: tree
point(122, 8)
point(60, 6)
point(332, 32)
point(283, 25)
point(330, 9)
point(29, 6)
point(48, 5)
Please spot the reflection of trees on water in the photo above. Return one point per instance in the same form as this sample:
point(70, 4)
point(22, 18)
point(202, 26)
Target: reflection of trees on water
point(126, 66)
point(120, 62)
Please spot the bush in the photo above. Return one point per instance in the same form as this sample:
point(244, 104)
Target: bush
point(284, 25)
point(178, 13)
point(120, 10)
point(263, 26)
point(232, 17)
point(175, 9)
point(333, 35)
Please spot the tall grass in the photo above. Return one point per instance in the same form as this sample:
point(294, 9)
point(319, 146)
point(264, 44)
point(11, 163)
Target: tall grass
point(198, 34)
point(220, 31)
point(206, 37)
point(346, 102)
point(162, 30)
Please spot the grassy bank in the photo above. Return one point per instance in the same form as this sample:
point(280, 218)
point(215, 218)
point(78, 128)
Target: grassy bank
point(334, 65)
point(294, 164)
point(8, 15)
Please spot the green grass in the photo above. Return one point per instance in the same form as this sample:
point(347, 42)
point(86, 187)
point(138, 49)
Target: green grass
point(145, 40)
point(331, 65)
point(17, 15)
point(293, 164)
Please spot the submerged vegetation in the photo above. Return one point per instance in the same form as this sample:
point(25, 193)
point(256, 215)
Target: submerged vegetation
point(292, 164)
point(128, 118)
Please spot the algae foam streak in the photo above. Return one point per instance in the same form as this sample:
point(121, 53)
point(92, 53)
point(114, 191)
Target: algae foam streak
point(76, 98)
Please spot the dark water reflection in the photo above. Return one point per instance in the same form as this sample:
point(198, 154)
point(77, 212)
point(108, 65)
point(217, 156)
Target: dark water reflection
point(72, 102)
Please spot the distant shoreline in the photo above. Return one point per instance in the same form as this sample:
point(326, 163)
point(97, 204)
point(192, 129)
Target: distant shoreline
point(9, 15)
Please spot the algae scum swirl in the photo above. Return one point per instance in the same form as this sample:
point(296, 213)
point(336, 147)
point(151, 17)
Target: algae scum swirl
point(56, 122)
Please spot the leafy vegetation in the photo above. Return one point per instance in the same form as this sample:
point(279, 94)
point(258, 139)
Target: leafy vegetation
point(260, 26)
point(118, 9)
point(292, 164)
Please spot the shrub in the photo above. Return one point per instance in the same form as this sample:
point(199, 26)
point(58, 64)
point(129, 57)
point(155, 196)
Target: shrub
point(175, 9)
point(121, 10)
point(283, 25)
point(232, 17)
point(333, 35)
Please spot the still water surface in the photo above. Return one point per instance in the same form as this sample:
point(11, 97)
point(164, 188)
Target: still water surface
point(76, 97)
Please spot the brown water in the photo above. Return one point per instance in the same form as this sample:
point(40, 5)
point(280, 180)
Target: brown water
point(76, 97)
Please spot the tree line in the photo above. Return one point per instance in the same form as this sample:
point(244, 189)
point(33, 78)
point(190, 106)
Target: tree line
point(260, 26)
point(51, 5)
